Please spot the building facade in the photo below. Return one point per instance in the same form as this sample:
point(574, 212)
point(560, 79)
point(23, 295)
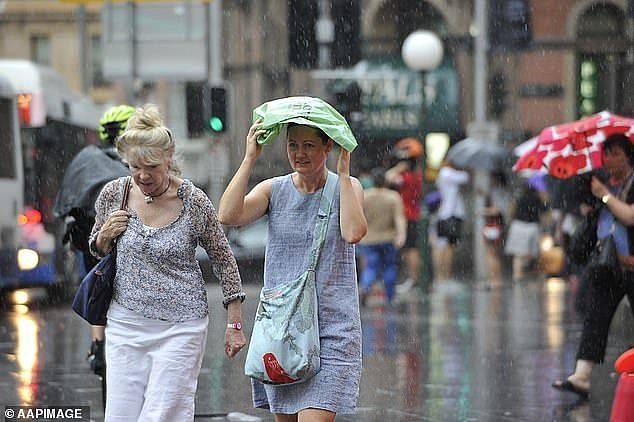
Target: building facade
point(48, 33)
point(575, 63)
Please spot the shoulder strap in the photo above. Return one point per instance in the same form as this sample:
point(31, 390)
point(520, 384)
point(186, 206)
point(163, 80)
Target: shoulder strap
point(124, 203)
point(126, 191)
point(626, 194)
point(325, 204)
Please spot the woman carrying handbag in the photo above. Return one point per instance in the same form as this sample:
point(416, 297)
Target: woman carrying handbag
point(607, 288)
point(156, 326)
point(292, 203)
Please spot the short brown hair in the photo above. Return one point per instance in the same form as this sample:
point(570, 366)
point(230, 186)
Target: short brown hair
point(322, 135)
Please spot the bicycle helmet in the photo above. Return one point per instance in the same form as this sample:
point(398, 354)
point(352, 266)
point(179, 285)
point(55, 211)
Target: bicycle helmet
point(113, 122)
point(408, 148)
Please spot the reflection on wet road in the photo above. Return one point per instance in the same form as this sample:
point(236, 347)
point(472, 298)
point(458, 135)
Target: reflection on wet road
point(461, 353)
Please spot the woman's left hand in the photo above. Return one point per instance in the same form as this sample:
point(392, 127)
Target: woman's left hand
point(343, 165)
point(598, 188)
point(234, 341)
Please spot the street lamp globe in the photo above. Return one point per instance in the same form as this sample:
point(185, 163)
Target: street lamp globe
point(422, 50)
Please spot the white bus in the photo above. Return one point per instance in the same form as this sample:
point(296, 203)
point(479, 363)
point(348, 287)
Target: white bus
point(11, 182)
point(54, 124)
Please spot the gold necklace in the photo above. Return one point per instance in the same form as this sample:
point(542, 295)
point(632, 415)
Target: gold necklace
point(150, 198)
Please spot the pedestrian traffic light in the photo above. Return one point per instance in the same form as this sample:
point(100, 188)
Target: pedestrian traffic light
point(206, 108)
point(497, 94)
point(217, 119)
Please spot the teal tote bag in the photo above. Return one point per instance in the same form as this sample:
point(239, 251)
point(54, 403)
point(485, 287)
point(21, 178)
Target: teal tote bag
point(284, 346)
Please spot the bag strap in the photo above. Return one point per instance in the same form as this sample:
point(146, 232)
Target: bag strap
point(124, 203)
point(319, 233)
point(126, 191)
point(625, 189)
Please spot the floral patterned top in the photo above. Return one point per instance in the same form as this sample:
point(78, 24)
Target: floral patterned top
point(157, 272)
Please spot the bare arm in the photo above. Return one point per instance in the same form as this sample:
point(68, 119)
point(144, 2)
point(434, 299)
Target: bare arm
point(393, 175)
point(623, 211)
point(351, 219)
point(236, 207)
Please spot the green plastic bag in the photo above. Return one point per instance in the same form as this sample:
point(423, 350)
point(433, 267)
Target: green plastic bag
point(308, 111)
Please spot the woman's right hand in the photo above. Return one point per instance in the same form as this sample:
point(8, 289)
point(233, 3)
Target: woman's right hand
point(253, 149)
point(116, 224)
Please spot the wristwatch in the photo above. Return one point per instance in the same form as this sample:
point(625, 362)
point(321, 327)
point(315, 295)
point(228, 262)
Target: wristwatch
point(235, 325)
point(605, 198)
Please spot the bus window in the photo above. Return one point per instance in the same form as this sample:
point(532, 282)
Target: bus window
point(7, 143)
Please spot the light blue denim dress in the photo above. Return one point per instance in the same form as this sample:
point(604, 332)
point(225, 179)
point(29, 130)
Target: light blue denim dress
point(292, 217)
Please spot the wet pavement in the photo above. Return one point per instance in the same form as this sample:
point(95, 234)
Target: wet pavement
point(463, 352)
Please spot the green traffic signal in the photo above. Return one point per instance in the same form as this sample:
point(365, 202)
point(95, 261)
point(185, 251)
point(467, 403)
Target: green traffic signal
point(215, 123)
point(217, 109)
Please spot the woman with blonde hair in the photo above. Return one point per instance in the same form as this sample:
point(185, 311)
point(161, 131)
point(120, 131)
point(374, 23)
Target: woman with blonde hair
point(157, 320)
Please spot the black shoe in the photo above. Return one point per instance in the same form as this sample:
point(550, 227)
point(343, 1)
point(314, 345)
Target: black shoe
point(97, 358)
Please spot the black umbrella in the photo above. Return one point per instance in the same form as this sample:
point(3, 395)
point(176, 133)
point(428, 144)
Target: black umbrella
point(86, 175)
point(478, 155)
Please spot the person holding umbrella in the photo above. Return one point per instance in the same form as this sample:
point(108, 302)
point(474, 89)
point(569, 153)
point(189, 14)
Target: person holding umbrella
point(607, 289)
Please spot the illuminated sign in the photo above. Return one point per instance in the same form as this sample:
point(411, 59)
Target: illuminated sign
point(588, 87)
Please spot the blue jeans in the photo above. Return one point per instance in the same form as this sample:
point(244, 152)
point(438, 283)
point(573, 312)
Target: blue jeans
point(380, 260)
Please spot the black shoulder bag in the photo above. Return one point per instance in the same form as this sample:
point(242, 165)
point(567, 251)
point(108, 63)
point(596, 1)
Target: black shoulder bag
point(604, 259)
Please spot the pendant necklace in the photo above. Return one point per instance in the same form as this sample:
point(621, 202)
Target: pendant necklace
point(150, 198)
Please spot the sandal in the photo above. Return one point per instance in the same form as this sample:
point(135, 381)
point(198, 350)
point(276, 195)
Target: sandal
point(570, 387)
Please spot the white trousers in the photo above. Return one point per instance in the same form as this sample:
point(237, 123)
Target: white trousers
point(152, 367)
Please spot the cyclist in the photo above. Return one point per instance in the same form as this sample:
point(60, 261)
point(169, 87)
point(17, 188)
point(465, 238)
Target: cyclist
point(86, 175)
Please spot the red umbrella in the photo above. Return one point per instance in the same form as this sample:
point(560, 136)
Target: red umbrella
point(574, 148)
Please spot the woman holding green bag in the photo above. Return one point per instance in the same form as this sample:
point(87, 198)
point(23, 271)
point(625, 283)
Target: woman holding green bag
point(291, 202)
